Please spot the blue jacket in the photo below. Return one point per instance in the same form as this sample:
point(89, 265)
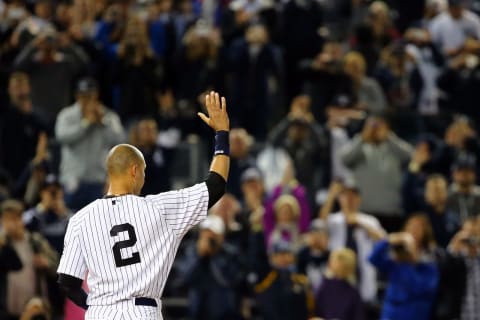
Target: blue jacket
point(411, 287)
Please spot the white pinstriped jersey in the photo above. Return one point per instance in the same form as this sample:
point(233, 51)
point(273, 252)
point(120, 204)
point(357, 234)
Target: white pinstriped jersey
point(128, 243)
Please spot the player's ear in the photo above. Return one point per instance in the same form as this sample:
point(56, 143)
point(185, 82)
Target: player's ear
point(134, 170)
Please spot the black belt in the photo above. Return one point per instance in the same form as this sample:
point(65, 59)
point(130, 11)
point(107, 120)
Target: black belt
point(140, 301)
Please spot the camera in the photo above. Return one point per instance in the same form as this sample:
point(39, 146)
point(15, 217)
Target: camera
point(39, 316)
point(130, 50)
point(51, 39)
point(54, 193)
point(400, 252)
point(213, 243)
point(398, 248)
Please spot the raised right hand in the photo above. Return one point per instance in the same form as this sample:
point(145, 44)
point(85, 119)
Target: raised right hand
point(217, 112)
point(421, 155)
point(42, 148)
point(335, 188)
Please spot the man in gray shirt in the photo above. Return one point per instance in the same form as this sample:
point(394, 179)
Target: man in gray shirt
point(451, 29)
point(376, 157)
point(86, 131)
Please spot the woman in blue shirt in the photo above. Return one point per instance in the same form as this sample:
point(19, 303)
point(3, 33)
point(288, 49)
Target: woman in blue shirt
point(412, 275)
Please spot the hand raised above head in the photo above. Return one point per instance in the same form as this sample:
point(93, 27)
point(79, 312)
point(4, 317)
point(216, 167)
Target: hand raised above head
point(217, 112)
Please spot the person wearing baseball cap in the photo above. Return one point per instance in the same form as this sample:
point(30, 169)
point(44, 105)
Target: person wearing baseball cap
point(253, 191)
point(313, 258)
point(456, 3)
point(50, 216)
point(86, 131)
point(213, 224)
point(283, 294)
point(87, 85)
point(464, 197)
point(212, 270)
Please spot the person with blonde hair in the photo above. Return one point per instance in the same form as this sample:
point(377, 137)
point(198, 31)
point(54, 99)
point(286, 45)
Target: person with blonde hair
point(337, 297)
point(37, 308)
point(369, 93)
point(287, 214)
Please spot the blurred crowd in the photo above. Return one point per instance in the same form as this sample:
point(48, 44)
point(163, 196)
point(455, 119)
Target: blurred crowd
point(354, 149)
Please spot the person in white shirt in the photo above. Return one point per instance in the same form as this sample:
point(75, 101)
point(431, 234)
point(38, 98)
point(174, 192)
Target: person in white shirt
point(452, 28)
point(359, 232)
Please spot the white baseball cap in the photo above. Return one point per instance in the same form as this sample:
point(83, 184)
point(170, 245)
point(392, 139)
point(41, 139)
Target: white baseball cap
point(213, 223)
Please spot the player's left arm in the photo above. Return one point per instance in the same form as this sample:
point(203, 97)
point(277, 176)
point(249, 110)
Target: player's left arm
point(72, 288)
point(72, 267)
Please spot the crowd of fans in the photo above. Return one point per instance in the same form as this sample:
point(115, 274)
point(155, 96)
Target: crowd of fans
point(354, 149)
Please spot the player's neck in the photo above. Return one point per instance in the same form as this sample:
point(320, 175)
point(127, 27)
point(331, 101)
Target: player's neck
point(119, 188)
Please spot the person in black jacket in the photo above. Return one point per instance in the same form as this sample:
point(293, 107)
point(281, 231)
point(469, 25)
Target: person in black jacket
point(20, 125)
point(302, 137)
point(312, 260)
point(459, 82)
point(451, 286)
point(303, 18)
point(137, 72)
point(254, 63)
point(241, 159)
point(213, 271)
point(324, 78)
point(462, 285)
point(281, 293)
point(144, 135)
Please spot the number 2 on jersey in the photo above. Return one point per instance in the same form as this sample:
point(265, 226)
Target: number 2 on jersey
point(118, 246)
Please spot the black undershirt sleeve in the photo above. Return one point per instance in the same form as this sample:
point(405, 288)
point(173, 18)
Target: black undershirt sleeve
point(216, 187)
point(72, 288)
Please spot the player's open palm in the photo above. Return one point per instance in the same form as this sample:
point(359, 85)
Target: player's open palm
point(217, 112)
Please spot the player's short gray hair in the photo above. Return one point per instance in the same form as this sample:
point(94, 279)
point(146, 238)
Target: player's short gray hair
point(121, 157)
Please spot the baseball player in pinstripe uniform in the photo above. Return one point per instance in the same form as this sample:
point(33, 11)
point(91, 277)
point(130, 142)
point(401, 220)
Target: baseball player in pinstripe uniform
point(126, 243)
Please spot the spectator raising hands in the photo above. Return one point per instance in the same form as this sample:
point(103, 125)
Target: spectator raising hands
point(364, 113)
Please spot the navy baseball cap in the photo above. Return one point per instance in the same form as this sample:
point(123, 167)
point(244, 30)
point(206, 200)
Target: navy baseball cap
point(354, 189)
point(351, 186)
point(281, 246)
point(51, 180)
point(251, 174)
point(87, 85)
point(342, 101)
point(318, 225)
point(456, 3)
point(465, 163)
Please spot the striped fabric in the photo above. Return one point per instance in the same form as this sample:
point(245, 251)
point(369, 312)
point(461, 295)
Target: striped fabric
point(128, 243)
